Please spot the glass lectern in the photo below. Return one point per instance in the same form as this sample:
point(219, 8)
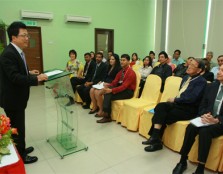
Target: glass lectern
point(62, 127)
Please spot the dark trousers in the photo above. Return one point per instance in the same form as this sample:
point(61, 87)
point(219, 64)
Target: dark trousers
point(141, 85)
point(83, 92)
point(205, 139)
point(108, 98)
point(76, 81)
point(17, 118)
point(168, 113)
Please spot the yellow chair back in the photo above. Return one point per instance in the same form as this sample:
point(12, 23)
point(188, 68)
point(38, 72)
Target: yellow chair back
point(151, 90)
point(171, 88)
point(138, 77)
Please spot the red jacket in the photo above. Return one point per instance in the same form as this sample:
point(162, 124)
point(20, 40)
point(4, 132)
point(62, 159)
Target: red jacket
point(129, 81)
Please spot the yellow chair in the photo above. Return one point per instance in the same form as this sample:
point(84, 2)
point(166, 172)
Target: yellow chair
point(173, 136)
point(171, 89)
point(215, 160)
point(132, 109)
point(136, 67)
point(117, 104)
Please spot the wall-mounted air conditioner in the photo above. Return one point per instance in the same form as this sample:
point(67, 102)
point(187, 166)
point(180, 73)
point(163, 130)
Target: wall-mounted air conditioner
point(73, 18)
point(36, 15)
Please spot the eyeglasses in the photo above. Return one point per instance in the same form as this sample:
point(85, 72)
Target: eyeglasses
point(24, 36)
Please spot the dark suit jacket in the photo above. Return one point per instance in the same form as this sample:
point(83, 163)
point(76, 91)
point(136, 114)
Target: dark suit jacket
point(101, 73)
point(90, 71)
point(208, 100)
point(14, 80)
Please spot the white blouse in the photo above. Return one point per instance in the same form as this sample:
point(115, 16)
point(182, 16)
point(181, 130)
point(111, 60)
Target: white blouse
point(145, 71)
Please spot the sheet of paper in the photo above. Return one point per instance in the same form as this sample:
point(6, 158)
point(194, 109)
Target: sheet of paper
point(99, 86)
point(51, 73)
point(197, 122)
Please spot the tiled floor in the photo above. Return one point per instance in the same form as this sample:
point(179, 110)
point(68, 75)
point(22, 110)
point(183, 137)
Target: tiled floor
point(111, 148)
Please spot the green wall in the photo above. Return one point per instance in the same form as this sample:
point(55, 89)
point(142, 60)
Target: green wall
point(131, 20)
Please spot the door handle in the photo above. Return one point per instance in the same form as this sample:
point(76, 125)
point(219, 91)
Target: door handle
point(37, 57)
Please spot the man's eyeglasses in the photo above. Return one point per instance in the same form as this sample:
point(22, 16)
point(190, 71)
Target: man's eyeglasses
point(24, 36)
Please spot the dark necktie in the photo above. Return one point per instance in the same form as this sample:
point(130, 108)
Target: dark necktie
point(217, 101)
point(95, 72)
point(24, 60)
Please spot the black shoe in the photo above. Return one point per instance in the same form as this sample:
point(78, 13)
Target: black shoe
point(29, 150)
point(154, 147)
point(71, 102)
point(29, 159)
point(151, 141)
point(180, 168)
point(86, 106)
point(93, 112)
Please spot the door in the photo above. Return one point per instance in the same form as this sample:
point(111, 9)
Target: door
point(104, 40)
point(34, 58)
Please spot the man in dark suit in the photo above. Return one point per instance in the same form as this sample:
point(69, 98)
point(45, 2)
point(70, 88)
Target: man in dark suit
point(98, 75)
point(210, 111)
point(89, 69)
point(15, 82)
point(183, 107)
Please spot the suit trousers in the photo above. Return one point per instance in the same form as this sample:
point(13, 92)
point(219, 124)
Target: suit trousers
point(83, 92)
point(108, 98)
point(205, 139)
point(17, 118)
point(169, 113)
point(76, 81)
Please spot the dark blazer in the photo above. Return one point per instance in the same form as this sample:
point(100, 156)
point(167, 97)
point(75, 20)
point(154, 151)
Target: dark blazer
point(111, 76)
point(207, 103)
point(163, 71)
point(14, 81)
point(100, 73)
point(90, 71)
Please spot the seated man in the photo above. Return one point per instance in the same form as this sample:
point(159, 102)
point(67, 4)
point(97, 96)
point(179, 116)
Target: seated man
point(182, 107)
point(89, 68)
point(216, 68)
point(210, 111)
point(163, 70)
point(98, 75)
point(122, 87)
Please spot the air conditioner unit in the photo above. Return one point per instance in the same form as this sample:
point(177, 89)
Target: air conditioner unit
point(36, 15)
point(72, 18)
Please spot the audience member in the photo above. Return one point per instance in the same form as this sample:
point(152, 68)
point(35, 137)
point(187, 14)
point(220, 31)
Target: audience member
point(73, 65)
point(98, 75)
point(216, 68)
point(89, 68)
point(145, 70)
point(211, 112)
point(180, 70)
point(97, 94)
point(152, 55)
point(93, 56)
point(183, 107)
point(173, 66)
point(134, 59)
point(209, 76)
point(209, 57)
point(110, 53)
point(163, 70)
point(122, 87)
point(177, 60)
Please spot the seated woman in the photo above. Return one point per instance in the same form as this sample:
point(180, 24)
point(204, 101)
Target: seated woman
point(96, 94)
point(134, 59)
point(145, 70)
point(73, 66)
point(209, 76)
